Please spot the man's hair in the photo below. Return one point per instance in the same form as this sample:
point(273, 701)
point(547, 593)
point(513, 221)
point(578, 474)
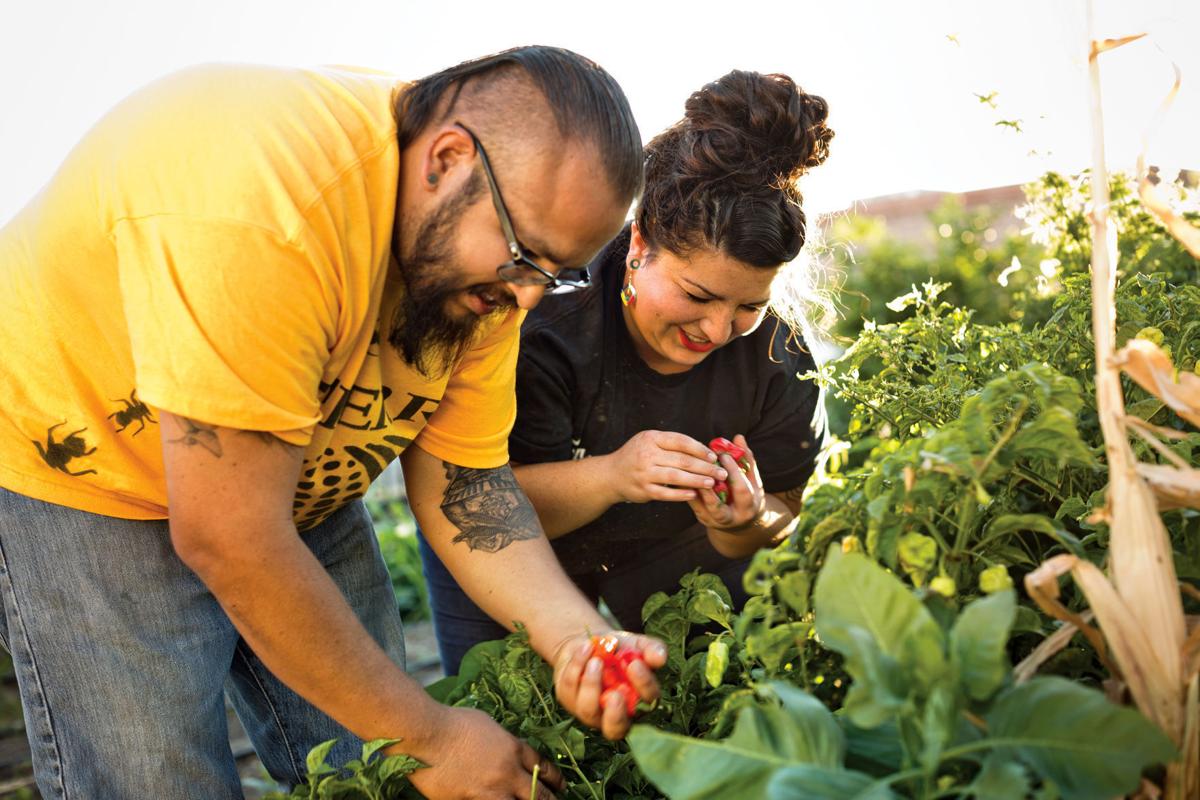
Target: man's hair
point(587, 104)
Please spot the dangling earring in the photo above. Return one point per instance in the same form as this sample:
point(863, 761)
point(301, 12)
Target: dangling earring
point(629, 292)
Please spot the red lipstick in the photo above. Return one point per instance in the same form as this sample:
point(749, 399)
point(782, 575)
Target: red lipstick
point(695, 347)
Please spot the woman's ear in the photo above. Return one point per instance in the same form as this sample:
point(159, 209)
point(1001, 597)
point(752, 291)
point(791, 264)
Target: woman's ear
point(638, 249)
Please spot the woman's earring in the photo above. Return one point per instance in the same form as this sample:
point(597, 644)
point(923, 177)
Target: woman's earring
point(629, 292)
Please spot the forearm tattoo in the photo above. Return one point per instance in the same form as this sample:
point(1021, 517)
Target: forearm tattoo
point(488, 507)
point(793, 498)
point(198, 434)
point(796, 494)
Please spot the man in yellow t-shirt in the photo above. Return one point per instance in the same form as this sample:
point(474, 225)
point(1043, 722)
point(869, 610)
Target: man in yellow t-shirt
point(245, 292)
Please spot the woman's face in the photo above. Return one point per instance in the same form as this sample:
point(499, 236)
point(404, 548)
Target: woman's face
point(686, 308)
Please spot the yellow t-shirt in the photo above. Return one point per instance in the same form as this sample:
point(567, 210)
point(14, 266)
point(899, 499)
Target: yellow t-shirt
point(217, 246)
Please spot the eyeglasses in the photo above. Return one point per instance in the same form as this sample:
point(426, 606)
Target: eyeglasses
point(521, 270)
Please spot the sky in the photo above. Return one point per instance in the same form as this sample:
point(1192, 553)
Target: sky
point(901, 78)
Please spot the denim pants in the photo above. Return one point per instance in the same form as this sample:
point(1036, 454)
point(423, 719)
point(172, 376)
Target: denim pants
point(123, 656)
point(459, 624)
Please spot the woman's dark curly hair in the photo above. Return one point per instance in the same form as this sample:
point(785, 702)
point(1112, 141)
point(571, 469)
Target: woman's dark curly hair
point(724, 178)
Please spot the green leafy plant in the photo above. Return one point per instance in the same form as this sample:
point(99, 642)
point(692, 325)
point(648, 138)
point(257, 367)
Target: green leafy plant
point(372, 776)
point(931, 712)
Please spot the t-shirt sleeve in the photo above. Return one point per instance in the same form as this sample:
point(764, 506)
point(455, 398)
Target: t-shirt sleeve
point(228, 323)
point(545, 384)
point(471, 424)
point(792, 428)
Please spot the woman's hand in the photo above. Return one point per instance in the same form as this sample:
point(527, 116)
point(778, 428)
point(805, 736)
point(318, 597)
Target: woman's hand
point(578, 683)
point(661, 465)
point(746, 499)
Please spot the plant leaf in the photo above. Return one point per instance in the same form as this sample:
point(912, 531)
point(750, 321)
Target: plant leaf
point(765, 739)
point(1073, 736)
point(889, 639)
point(977, 643)
point(315, 762)
point(822, 783)
point(1000, 779)
point(370, 748)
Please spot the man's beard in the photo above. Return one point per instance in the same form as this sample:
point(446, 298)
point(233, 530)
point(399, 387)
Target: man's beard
point(429, 339)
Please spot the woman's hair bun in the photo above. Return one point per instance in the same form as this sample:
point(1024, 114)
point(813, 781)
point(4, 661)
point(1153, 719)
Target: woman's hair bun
point(725, 176)
point(764, 128)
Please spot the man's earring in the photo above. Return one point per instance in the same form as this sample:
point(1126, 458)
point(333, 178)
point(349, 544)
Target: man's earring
point(432, 178)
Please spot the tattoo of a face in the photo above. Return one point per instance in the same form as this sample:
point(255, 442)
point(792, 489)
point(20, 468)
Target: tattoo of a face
point(198, 434)
point(488, 507)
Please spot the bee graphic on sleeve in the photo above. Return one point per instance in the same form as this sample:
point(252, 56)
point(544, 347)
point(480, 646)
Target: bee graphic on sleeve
point(58, 454)
point(134, 411)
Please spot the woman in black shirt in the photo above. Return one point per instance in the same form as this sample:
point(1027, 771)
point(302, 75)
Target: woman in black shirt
point(690, 332)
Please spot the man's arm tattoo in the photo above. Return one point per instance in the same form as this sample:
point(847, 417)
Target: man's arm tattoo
point(488, 507)
point(266, 437)
point(792, 498)
point(198, 434)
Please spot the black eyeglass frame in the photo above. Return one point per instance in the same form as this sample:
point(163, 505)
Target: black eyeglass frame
point(515, 270)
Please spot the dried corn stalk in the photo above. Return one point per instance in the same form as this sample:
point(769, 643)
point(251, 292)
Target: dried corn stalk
point(1138, 607)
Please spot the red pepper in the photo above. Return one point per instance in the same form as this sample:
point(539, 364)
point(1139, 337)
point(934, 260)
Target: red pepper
point(722, 445)
point(738, 454)
point(615, 677)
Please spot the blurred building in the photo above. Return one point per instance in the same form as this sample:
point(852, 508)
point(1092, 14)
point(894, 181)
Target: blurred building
point(907, 215)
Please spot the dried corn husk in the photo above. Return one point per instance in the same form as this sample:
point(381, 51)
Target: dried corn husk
point(1172, 487)
point(1151, 368)
point(1128, 645)
point(1183, 231)
point(1051, 646)
point(1140, 611)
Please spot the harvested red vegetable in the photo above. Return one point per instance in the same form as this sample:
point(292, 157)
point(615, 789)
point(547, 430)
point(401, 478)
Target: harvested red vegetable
point(615, 677)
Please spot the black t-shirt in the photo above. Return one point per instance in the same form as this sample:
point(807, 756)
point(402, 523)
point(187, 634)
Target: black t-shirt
point(582, 390)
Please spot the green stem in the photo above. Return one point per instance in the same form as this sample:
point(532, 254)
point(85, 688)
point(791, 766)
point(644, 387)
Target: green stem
point(962, 750)
point(542, 699)
point(897, 777)
point(1037, 481)
point(1009, 431)
point(936, 535)
point(578, 771)
point(961, 525)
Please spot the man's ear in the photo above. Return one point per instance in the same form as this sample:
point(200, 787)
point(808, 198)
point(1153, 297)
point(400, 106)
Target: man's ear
point(449, 158)
point(638, 249)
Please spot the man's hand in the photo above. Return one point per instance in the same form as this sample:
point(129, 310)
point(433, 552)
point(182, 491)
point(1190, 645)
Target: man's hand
point(471, 756)
point(577, 681)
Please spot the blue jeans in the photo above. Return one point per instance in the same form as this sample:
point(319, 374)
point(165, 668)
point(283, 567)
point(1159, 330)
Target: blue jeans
point(459, 624)
point(123, 656)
